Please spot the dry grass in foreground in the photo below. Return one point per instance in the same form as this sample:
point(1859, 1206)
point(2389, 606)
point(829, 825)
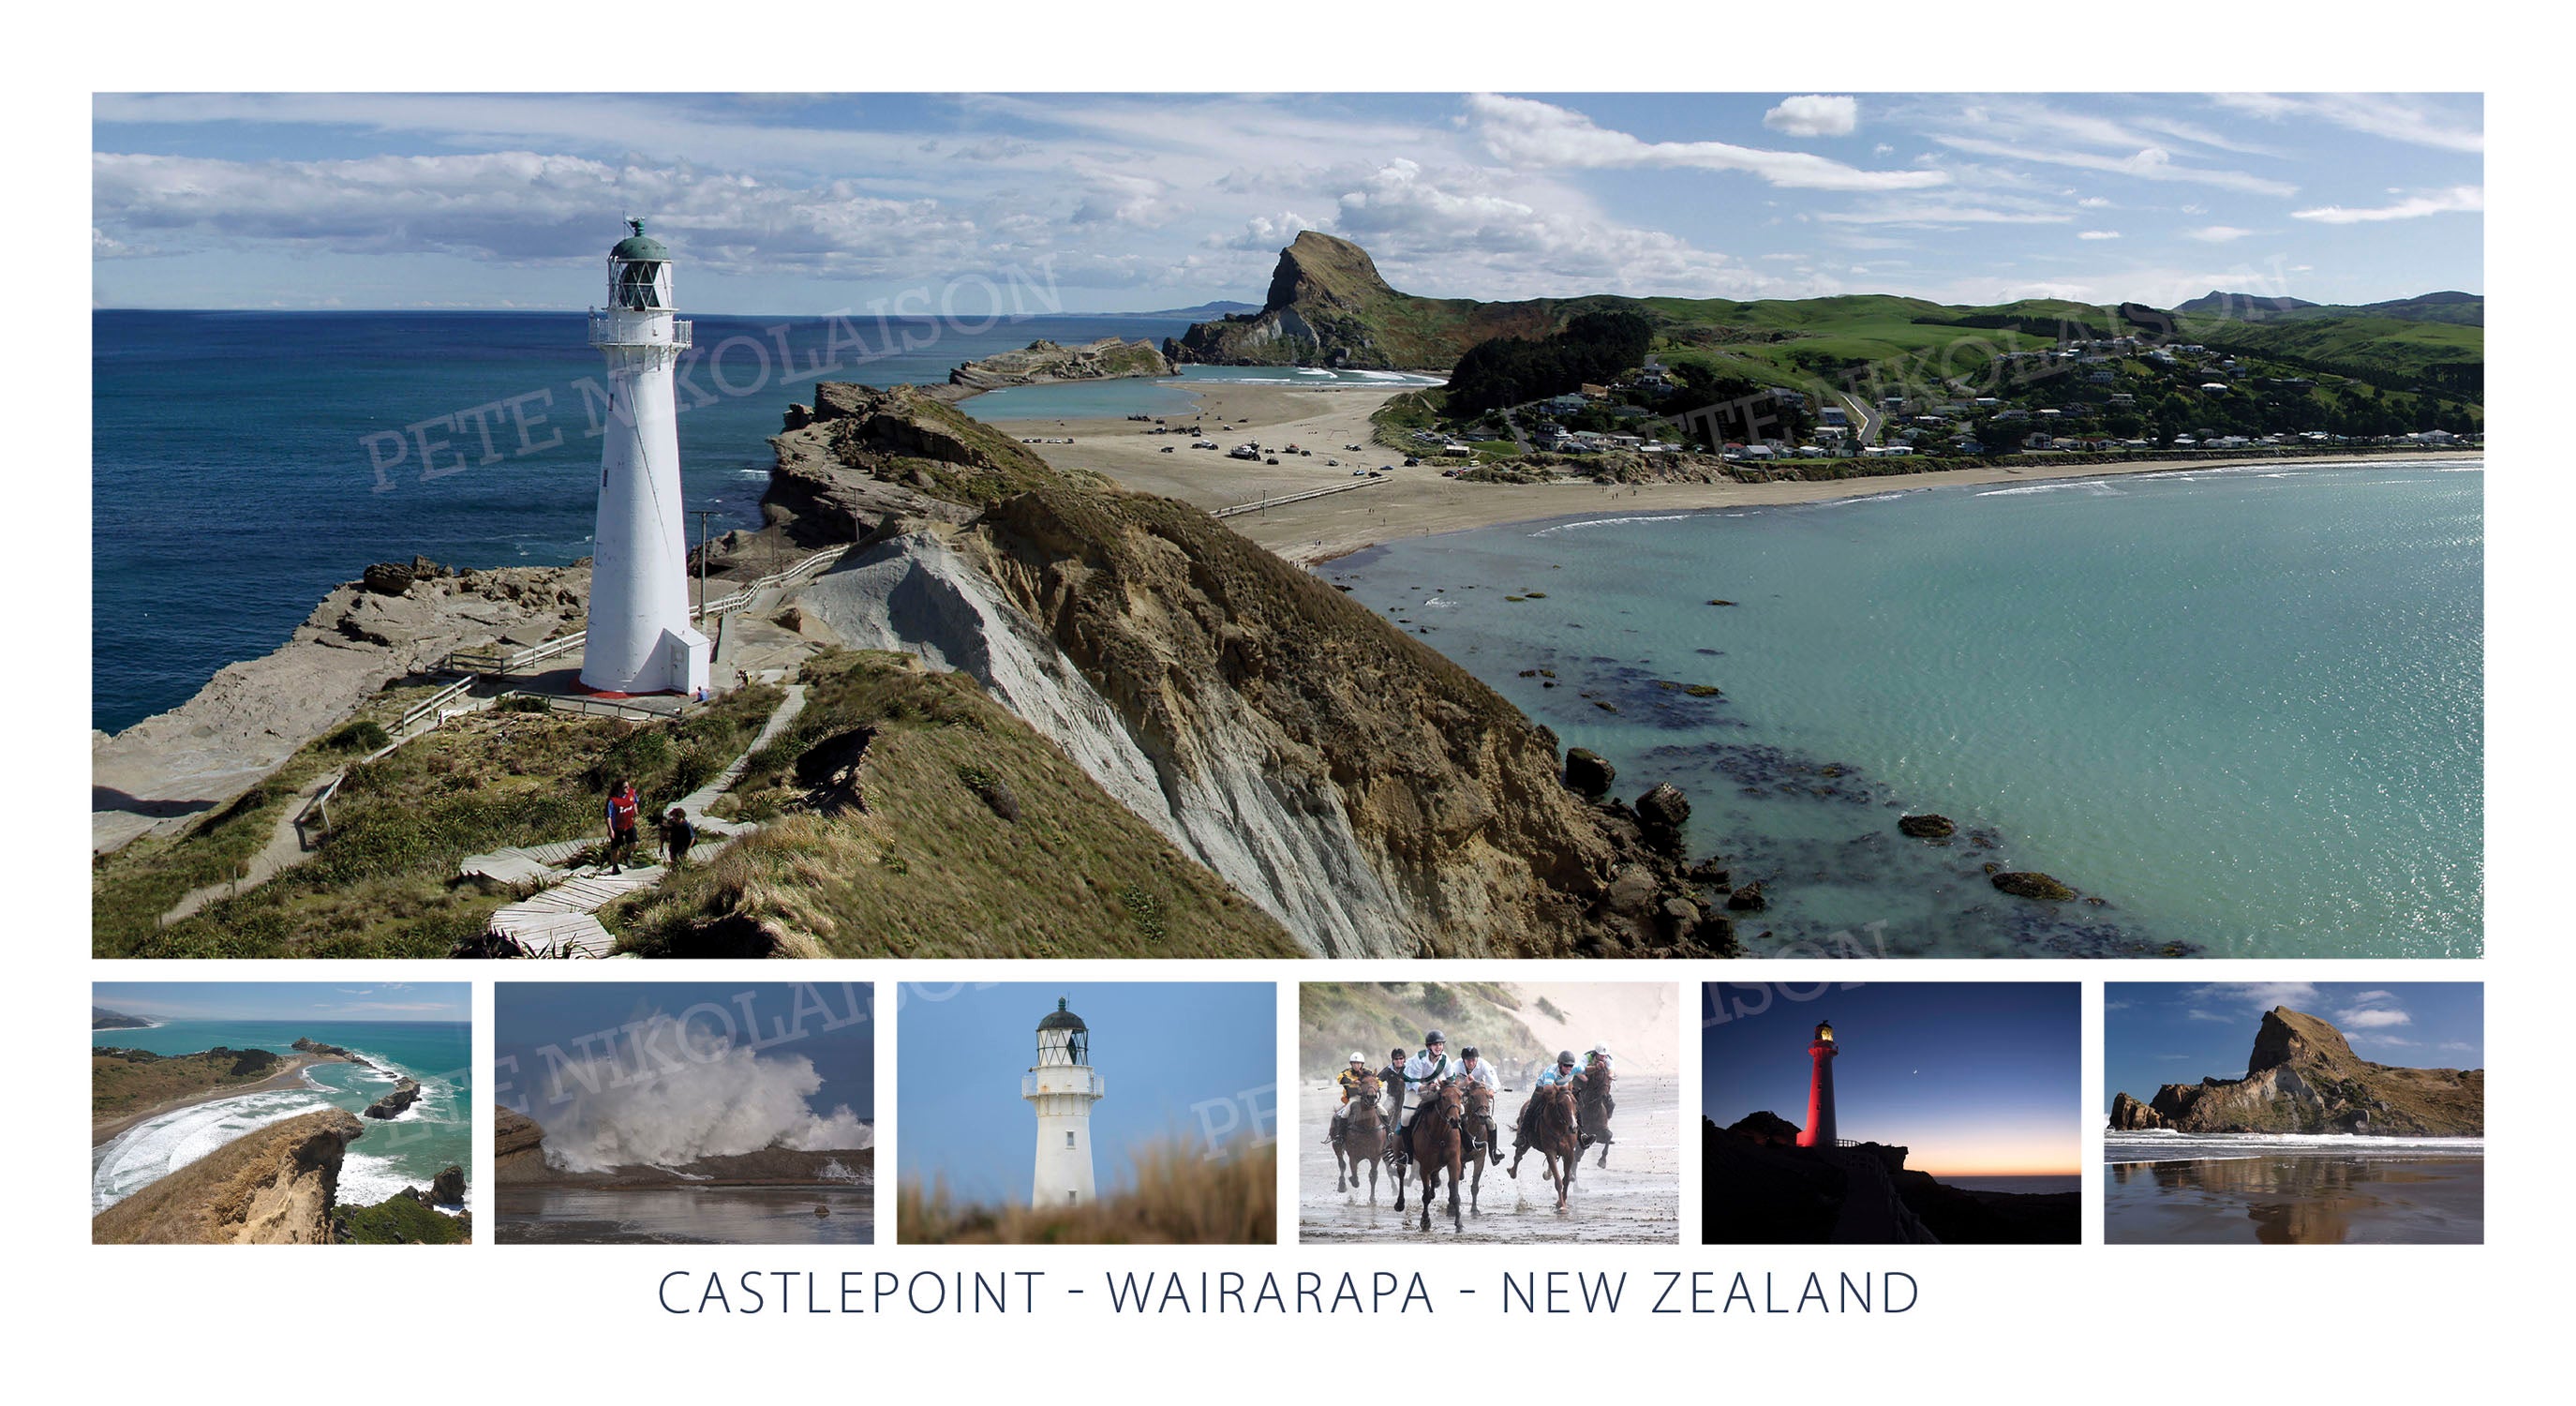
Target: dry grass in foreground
point(1179, 1199)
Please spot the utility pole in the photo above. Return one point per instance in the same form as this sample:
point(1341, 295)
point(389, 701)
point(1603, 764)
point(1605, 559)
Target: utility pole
point(702, 514)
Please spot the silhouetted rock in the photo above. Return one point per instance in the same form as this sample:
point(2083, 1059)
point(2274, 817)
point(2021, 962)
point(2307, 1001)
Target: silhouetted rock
point(1926, 827)
point(1748, 899)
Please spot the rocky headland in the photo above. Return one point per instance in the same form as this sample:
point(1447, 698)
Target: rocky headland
point(1372, 796)
point(2303, 1077)
point(277, 1185)
point(1760, 1188)
point(392, 625)
point(1042, 362)
point(1328, 306)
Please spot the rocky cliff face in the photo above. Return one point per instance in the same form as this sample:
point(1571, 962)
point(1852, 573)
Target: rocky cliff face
point(1040, 362)
point(1374, 797)
point(518, 1148)
point(1327, 306)
point(276, 1185)
point(2302, 1077)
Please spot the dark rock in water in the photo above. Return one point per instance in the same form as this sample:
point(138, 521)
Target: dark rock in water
point(405, 1094)
point(2129, 1115)
point(1748, 899)
point(1721, 602)
point(1589, 774)
point(448, 1188)
point(1926, 827)
point(2031, 885)
point(821, 1211)
point(1664, 805)
point(1710, 871)
point(1662, 812)
point(387, 578)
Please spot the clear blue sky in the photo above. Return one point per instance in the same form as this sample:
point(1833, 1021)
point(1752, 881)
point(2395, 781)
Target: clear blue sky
point(1974, 1077)
point(791, 204)
point(2158, 1033)
point(830, 1023)
point(1165, 1048)
point(287, 1000)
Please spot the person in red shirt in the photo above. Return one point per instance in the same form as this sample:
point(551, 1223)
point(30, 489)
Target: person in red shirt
point(625, 810)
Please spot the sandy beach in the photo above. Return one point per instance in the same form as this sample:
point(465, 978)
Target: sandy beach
point(290, 1075)
point(1419, 502)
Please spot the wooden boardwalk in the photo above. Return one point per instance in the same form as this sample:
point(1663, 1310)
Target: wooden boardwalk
point(562, 919)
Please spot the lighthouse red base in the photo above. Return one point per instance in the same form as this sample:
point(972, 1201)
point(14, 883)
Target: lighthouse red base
point(1820, 1131)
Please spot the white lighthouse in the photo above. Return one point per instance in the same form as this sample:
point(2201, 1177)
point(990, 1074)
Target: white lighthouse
point(640, 638)
point(1062, 1086)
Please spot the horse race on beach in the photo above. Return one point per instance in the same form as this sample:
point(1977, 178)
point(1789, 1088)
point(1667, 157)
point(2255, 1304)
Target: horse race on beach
point(1463, 1117)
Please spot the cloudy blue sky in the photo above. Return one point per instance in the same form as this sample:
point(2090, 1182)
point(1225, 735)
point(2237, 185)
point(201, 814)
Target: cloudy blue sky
point(285, 1000)
point(794, 204)
point(2158, 1033)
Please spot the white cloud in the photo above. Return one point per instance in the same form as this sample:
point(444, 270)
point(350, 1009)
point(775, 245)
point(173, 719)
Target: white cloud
point(2094, 202)
point(2149, 163)
point(2399, 118)
point(2099, 234)
point(1531, 133)
point(521, 206)
point(2217, 234)
point(2442, 202)
point(1814, 116)
point(2372, 1019)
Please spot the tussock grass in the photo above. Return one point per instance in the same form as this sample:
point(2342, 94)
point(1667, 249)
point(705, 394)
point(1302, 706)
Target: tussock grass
point(921, 862)
point(1179, 1198)
point(383, 880)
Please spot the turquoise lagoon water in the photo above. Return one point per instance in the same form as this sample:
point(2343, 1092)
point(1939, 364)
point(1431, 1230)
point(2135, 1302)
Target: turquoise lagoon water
point(407, 1150)
point(2242, 708)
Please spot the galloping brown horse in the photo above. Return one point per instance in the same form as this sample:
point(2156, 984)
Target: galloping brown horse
point(1436, 1145)
point(1476, 1126)
point(1592, 1108)
point(1363, 1140)
point(1551, 1131)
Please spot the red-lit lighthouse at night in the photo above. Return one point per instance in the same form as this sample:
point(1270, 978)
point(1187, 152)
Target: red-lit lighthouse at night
point(1819, 1131)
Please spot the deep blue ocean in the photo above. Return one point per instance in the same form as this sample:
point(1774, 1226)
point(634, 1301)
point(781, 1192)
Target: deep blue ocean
point(2242, 710)
point(244, 463)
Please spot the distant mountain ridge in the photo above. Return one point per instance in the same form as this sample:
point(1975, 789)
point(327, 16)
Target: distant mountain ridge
point(2450, 305)
point(2304, 1078)
point(1327, 305)
point(101, 1018)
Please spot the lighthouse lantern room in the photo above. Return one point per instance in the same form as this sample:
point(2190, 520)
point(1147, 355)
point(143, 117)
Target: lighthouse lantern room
point(641, 638)
point(1061, 1087)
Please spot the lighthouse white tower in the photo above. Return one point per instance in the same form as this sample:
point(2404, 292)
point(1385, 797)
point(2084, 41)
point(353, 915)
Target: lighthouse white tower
point(640, 639)
point(1062, 1086)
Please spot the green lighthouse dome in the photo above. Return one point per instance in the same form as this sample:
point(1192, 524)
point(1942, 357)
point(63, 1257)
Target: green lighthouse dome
point(640, 247)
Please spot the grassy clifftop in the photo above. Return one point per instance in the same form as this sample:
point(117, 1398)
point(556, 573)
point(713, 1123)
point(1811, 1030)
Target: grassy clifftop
point(930, 822)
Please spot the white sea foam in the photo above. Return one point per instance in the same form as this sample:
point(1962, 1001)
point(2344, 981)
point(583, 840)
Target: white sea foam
point(156, 1147)
point(1611, 522)
point(2165, 1144)
point(367, 1177)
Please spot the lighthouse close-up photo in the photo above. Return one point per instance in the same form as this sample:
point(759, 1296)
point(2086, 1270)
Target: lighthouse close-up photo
point(1062, 1086)
point(1185, 1153)
point(641, 636)
point(1947, 1127)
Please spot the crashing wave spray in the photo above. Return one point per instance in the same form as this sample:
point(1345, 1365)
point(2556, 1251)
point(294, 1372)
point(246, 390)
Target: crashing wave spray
point(715, 1099)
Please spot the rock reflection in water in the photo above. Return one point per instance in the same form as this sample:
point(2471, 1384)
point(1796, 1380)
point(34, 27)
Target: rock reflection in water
point(2319, 1198)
